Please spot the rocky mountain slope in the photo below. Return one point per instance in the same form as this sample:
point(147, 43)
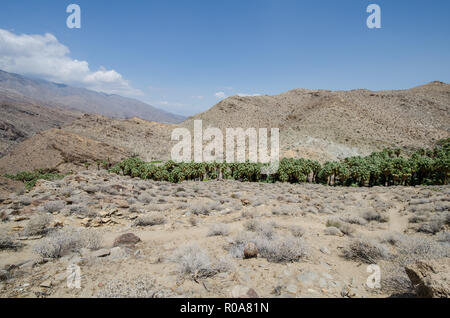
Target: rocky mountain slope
point(89, 139)
point(22, 117)
point(83, 100)
point(322, 124)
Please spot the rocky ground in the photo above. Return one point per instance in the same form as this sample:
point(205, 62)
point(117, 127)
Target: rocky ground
point(138, 238)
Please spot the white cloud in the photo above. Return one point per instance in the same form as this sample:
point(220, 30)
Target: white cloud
point(198, 97)
point(220, 95)
point(46, 57)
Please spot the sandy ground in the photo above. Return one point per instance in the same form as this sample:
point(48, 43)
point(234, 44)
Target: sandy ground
point(290, 222)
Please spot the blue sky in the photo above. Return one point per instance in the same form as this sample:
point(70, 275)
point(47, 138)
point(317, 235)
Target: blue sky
point(184, 56)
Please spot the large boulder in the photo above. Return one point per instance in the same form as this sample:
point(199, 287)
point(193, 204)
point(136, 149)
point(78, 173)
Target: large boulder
point(430, 278)
point(128, 239)
point(250, 250)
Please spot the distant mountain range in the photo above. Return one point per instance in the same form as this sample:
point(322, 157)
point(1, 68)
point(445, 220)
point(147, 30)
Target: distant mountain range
point(83, 100)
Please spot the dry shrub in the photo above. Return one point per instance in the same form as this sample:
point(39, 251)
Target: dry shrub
point(297, 230)
point(67, 240)
point(193, 260)
point(150, 220)
point(339, 224)
point(277, 249)
point(8, 243)
point(54, 206)
point(37, 225)
point(366, 250)
point(218, 229)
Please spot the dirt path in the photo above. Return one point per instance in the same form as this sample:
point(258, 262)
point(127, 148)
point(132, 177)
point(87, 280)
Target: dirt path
point(397, 221)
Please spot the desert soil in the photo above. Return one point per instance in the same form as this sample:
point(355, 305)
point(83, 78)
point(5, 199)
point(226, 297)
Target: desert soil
point(192, 235)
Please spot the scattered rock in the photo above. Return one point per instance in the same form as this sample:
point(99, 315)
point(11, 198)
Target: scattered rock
point(250, 251)
point(20, 218)
point(430, 278)
point(60, 277)
point(118, 253)
point(57, 224)
point(101, 253)
point(86, 222)
point(46, 284)
point(251, 293)
point(291, 288)
point(96, 222)
point(122, 204)
point(106, 220)
point(240, 291)
point(348, 292)
point(325, 250)
point(30, 238)
point(245, 202)
point(128, 239)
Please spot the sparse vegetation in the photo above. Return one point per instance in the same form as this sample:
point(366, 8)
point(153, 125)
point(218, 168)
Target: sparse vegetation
point(297, 230)
point(339, 224)
point(193, 260)
point(91, 239)
point(30, 178)
point(365, 250)
point(37, 225)
point(277, 249)
point(66, 240)
point(150, 220)
point(260, 245)
point(218, 229)
point(54, 206)
point(8, 243)
point(199, 209)
point(282, 249)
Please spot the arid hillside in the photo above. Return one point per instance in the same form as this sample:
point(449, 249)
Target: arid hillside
point(322, 124)
point(22, 117)
point(88, 140)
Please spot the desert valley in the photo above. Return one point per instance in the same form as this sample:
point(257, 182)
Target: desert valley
point(71, 197)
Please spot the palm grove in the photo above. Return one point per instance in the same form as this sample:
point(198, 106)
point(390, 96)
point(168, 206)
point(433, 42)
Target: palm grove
point(386, 168)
